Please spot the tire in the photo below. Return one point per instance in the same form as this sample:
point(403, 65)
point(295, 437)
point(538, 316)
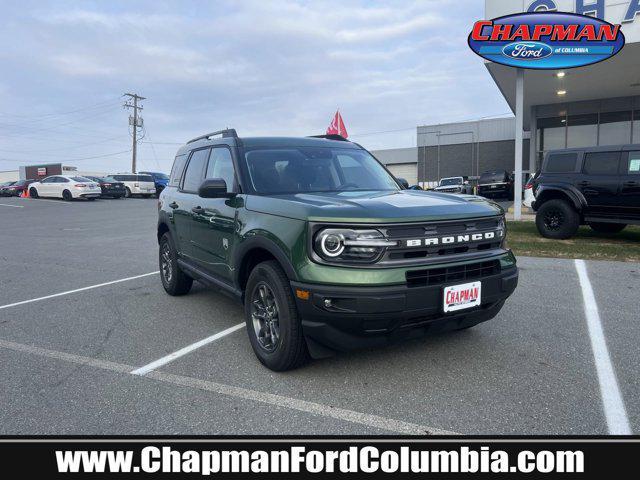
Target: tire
point(33, 193)
point(275, 305)
point(66, 196)
point(608, 228)
point(127, 192)
point(174, 280)
point(557, 219)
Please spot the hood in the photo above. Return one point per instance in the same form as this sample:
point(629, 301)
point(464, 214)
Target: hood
point(374, 207)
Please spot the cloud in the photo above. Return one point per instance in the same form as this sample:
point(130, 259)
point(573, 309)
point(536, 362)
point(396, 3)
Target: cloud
point(264, 67)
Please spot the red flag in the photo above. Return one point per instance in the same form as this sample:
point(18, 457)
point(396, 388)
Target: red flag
point(337, 126)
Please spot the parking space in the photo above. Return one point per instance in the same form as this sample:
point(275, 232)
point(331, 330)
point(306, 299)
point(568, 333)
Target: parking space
point(67, 360)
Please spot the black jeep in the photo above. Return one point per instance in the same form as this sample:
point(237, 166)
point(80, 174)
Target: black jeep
point(598, 186)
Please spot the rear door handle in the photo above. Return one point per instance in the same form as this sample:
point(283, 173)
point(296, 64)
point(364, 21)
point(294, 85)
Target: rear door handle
point(630, 184)
point(198, 210)
point(173, 205)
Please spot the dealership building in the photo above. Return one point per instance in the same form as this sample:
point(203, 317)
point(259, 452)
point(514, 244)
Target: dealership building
point(583, 107)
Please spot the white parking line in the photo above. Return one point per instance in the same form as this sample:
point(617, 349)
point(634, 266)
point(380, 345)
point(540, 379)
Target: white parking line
point(183, 351)
point(8, 205)
point(83, 289)
point(328, 411)
point(612, 401)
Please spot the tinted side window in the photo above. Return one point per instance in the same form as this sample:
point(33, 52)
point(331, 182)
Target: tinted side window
point(561, 163)
point(177, 170)
point(633, 167)
point(221, 166)
point(604, 163)
point(195, 170)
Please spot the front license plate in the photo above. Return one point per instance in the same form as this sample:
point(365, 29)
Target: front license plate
point(461, 297)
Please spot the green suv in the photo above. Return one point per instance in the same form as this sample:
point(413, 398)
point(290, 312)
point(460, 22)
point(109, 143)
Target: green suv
point(325, 248)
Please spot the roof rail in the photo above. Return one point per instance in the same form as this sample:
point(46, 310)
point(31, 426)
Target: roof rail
point(227, 133)
point(338, 138)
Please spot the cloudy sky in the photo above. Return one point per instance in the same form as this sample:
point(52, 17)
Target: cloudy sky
point(263, 67)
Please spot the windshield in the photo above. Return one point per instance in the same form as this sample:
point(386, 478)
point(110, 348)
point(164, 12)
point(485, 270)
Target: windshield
point(107, 179)
point(493, 177)
point(81, 179)
point(309, 169)
point(445, 182)
point(161, 176)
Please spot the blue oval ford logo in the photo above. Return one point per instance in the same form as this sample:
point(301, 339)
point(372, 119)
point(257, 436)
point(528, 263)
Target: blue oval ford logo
point(546, 41)
point(527, 50)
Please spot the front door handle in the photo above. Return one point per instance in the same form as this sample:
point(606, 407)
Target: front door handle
point(584, 184)
point(173, 205)
point(198, 210)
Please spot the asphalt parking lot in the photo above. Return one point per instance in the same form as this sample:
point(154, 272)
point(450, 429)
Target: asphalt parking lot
point(67, 360)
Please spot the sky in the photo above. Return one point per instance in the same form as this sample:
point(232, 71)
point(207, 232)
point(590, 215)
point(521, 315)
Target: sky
point(262, 67)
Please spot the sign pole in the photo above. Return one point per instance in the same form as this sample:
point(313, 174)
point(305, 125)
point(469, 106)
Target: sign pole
point(517, 194)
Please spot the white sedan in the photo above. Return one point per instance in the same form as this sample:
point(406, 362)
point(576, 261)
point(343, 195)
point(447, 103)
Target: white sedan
point(67, 188)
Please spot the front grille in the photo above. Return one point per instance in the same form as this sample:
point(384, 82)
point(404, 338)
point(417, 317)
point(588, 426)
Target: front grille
point(461, 273)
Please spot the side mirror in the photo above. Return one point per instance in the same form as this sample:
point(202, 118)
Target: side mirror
point(403, 182)
point(214, 188)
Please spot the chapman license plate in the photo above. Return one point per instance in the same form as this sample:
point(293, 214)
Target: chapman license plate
point(461, 297)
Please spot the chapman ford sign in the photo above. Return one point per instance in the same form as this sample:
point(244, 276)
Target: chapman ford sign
point(546, 41)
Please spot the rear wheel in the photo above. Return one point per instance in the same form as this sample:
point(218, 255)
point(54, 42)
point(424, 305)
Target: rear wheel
point(273, 323)
point(174, 280)
point(66, 195)
point(608, 228)
point(557, 219)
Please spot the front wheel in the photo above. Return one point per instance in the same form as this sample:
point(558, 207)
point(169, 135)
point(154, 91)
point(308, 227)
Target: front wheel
point(273, 324)
point(608, 228)
point(557, 219)
point(127, 192)
point(174, 280)
point(33, 193)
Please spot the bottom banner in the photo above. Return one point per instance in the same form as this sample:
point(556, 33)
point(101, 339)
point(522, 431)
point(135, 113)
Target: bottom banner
point(450, 457)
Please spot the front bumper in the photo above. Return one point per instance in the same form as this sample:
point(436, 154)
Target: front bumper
point(499, 189)
point(365, 317)
point(90, 195)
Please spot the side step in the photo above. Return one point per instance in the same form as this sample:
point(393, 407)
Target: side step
point(202, 276)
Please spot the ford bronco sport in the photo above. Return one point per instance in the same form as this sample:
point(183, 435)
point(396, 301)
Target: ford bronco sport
point(324, 248)
point(597, 186)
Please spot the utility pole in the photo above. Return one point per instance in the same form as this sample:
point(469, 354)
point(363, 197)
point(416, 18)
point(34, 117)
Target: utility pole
point(136, 121)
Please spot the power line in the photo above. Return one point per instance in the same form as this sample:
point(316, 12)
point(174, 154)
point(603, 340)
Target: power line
point(73, 159)
point(69, 112)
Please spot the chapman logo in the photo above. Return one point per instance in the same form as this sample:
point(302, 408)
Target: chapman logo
point(546, 41)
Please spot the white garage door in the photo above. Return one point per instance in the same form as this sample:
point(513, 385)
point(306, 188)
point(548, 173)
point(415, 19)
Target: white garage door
point(409, 171)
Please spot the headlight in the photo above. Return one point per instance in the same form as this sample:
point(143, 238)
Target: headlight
point(350, 245)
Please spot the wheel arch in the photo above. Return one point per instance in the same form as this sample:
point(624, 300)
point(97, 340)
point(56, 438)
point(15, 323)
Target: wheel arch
point(257, 250)
point(556, 192)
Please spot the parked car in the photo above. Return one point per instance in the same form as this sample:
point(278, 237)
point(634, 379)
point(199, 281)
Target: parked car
point(4, 188)
point(598, 186)
point(136, 184)
point(454, 185)
point(16, 188)
point(65, 187)
point(109, 187)
point(529, 196)
point(160, 179)
point(496, 183)
point(325, 248)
